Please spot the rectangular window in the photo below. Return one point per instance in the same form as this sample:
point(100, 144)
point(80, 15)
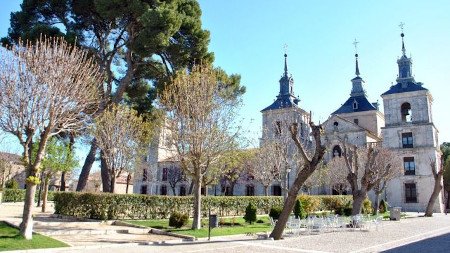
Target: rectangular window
point(143, 189)
point(356, 121)
point(278, 128)
point(276, 190)
point(409, 165)
point(144, 175)
point(410, 193)
point(164, 174)
point(250, 190)
point(407, 140)
point(163, 190)
point(182, 190)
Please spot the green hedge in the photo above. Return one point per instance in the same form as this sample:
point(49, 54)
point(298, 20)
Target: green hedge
point(136, 206)
point(18, 195)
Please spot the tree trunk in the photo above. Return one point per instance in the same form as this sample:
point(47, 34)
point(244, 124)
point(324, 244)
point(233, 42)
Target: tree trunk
point(26, 227)
point(448, 200)
point(63, 182)
point(106, 177)
point(45, 194)
point(90, 159)
point(377, 202)
point(290, 202)
point(434, 195)
point(112, 187)
point(196, 223)
point(173, 191)
point(358, 199)
point(266, 190)
point(128, 182)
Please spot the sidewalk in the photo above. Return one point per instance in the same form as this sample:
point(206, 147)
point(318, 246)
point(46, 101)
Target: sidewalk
point(78, 233)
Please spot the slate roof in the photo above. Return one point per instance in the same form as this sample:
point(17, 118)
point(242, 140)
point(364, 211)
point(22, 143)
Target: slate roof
point(363, 105)
point(282, 102)
point(411, 86)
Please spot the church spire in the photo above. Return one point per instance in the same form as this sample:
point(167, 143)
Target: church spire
point(355, 43)
point(285, 65)
point(404, 63)
point(357, 82)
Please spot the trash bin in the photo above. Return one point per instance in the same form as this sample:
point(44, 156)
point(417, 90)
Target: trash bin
point(213, 221)
point(395, 213)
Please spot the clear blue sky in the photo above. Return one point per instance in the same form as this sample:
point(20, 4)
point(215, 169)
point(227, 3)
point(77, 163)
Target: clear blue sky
point(247, 38)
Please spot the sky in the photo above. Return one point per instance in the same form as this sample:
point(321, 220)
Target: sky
point(248, 38)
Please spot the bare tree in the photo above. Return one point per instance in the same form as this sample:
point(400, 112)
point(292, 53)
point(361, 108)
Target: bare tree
point(45, 89)
point(122, 136)
point(199, 122)
point(175, 176)
point(337, 175)
point(308, 163)
point(438, 173)
point(266, 166)
point(367, 167)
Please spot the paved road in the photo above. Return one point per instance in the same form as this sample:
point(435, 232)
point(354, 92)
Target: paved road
point(408, 235)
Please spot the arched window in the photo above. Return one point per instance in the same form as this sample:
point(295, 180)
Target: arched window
point(337, 151)
point(406, 112)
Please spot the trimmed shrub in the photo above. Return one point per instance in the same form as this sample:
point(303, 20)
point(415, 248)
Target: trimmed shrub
point(13, 195)
point(298, 210)
point(178, 220)
point(12, 184)
point(347, 211)
point(383, 206)
point(250, 214)
point(310, 203)
point(275, 212)
point(367, 206)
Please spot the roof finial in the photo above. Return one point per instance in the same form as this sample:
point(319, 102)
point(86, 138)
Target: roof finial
point(285, 46)
point(401, 25)
point(355, 43)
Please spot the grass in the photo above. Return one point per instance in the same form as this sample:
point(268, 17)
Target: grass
point(227, 226)
point(10, 239)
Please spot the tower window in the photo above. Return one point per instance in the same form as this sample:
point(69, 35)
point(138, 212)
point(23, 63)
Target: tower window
point(406, 112)
point(336, 124)
point(409, 165)
point(355, 105)
point(410, 193)
point(278, 127)
point(407, 140)
point(356, 121)
point(337, 151)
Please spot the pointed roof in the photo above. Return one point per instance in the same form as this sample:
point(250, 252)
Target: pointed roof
point(286, 97)
point(405, 80)
point(358, 98)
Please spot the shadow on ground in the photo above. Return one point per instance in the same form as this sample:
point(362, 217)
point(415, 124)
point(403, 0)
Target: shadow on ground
point(435, 244)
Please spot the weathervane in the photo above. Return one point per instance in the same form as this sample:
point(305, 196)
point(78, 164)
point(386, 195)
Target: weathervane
point(285, 47)
point(401, 25)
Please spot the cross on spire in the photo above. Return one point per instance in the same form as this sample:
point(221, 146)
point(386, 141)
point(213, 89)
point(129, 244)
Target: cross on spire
point(355, 43)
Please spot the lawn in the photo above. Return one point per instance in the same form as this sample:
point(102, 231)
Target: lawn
point(227, 226)
point(11, 240)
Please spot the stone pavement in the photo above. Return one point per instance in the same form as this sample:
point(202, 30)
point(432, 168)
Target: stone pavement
point(418, 234)
point(78, 233)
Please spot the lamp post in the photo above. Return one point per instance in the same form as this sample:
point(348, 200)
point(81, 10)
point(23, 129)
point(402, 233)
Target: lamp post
point(288, 171)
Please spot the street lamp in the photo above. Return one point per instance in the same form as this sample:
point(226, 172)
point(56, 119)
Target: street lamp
point(288, 171)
